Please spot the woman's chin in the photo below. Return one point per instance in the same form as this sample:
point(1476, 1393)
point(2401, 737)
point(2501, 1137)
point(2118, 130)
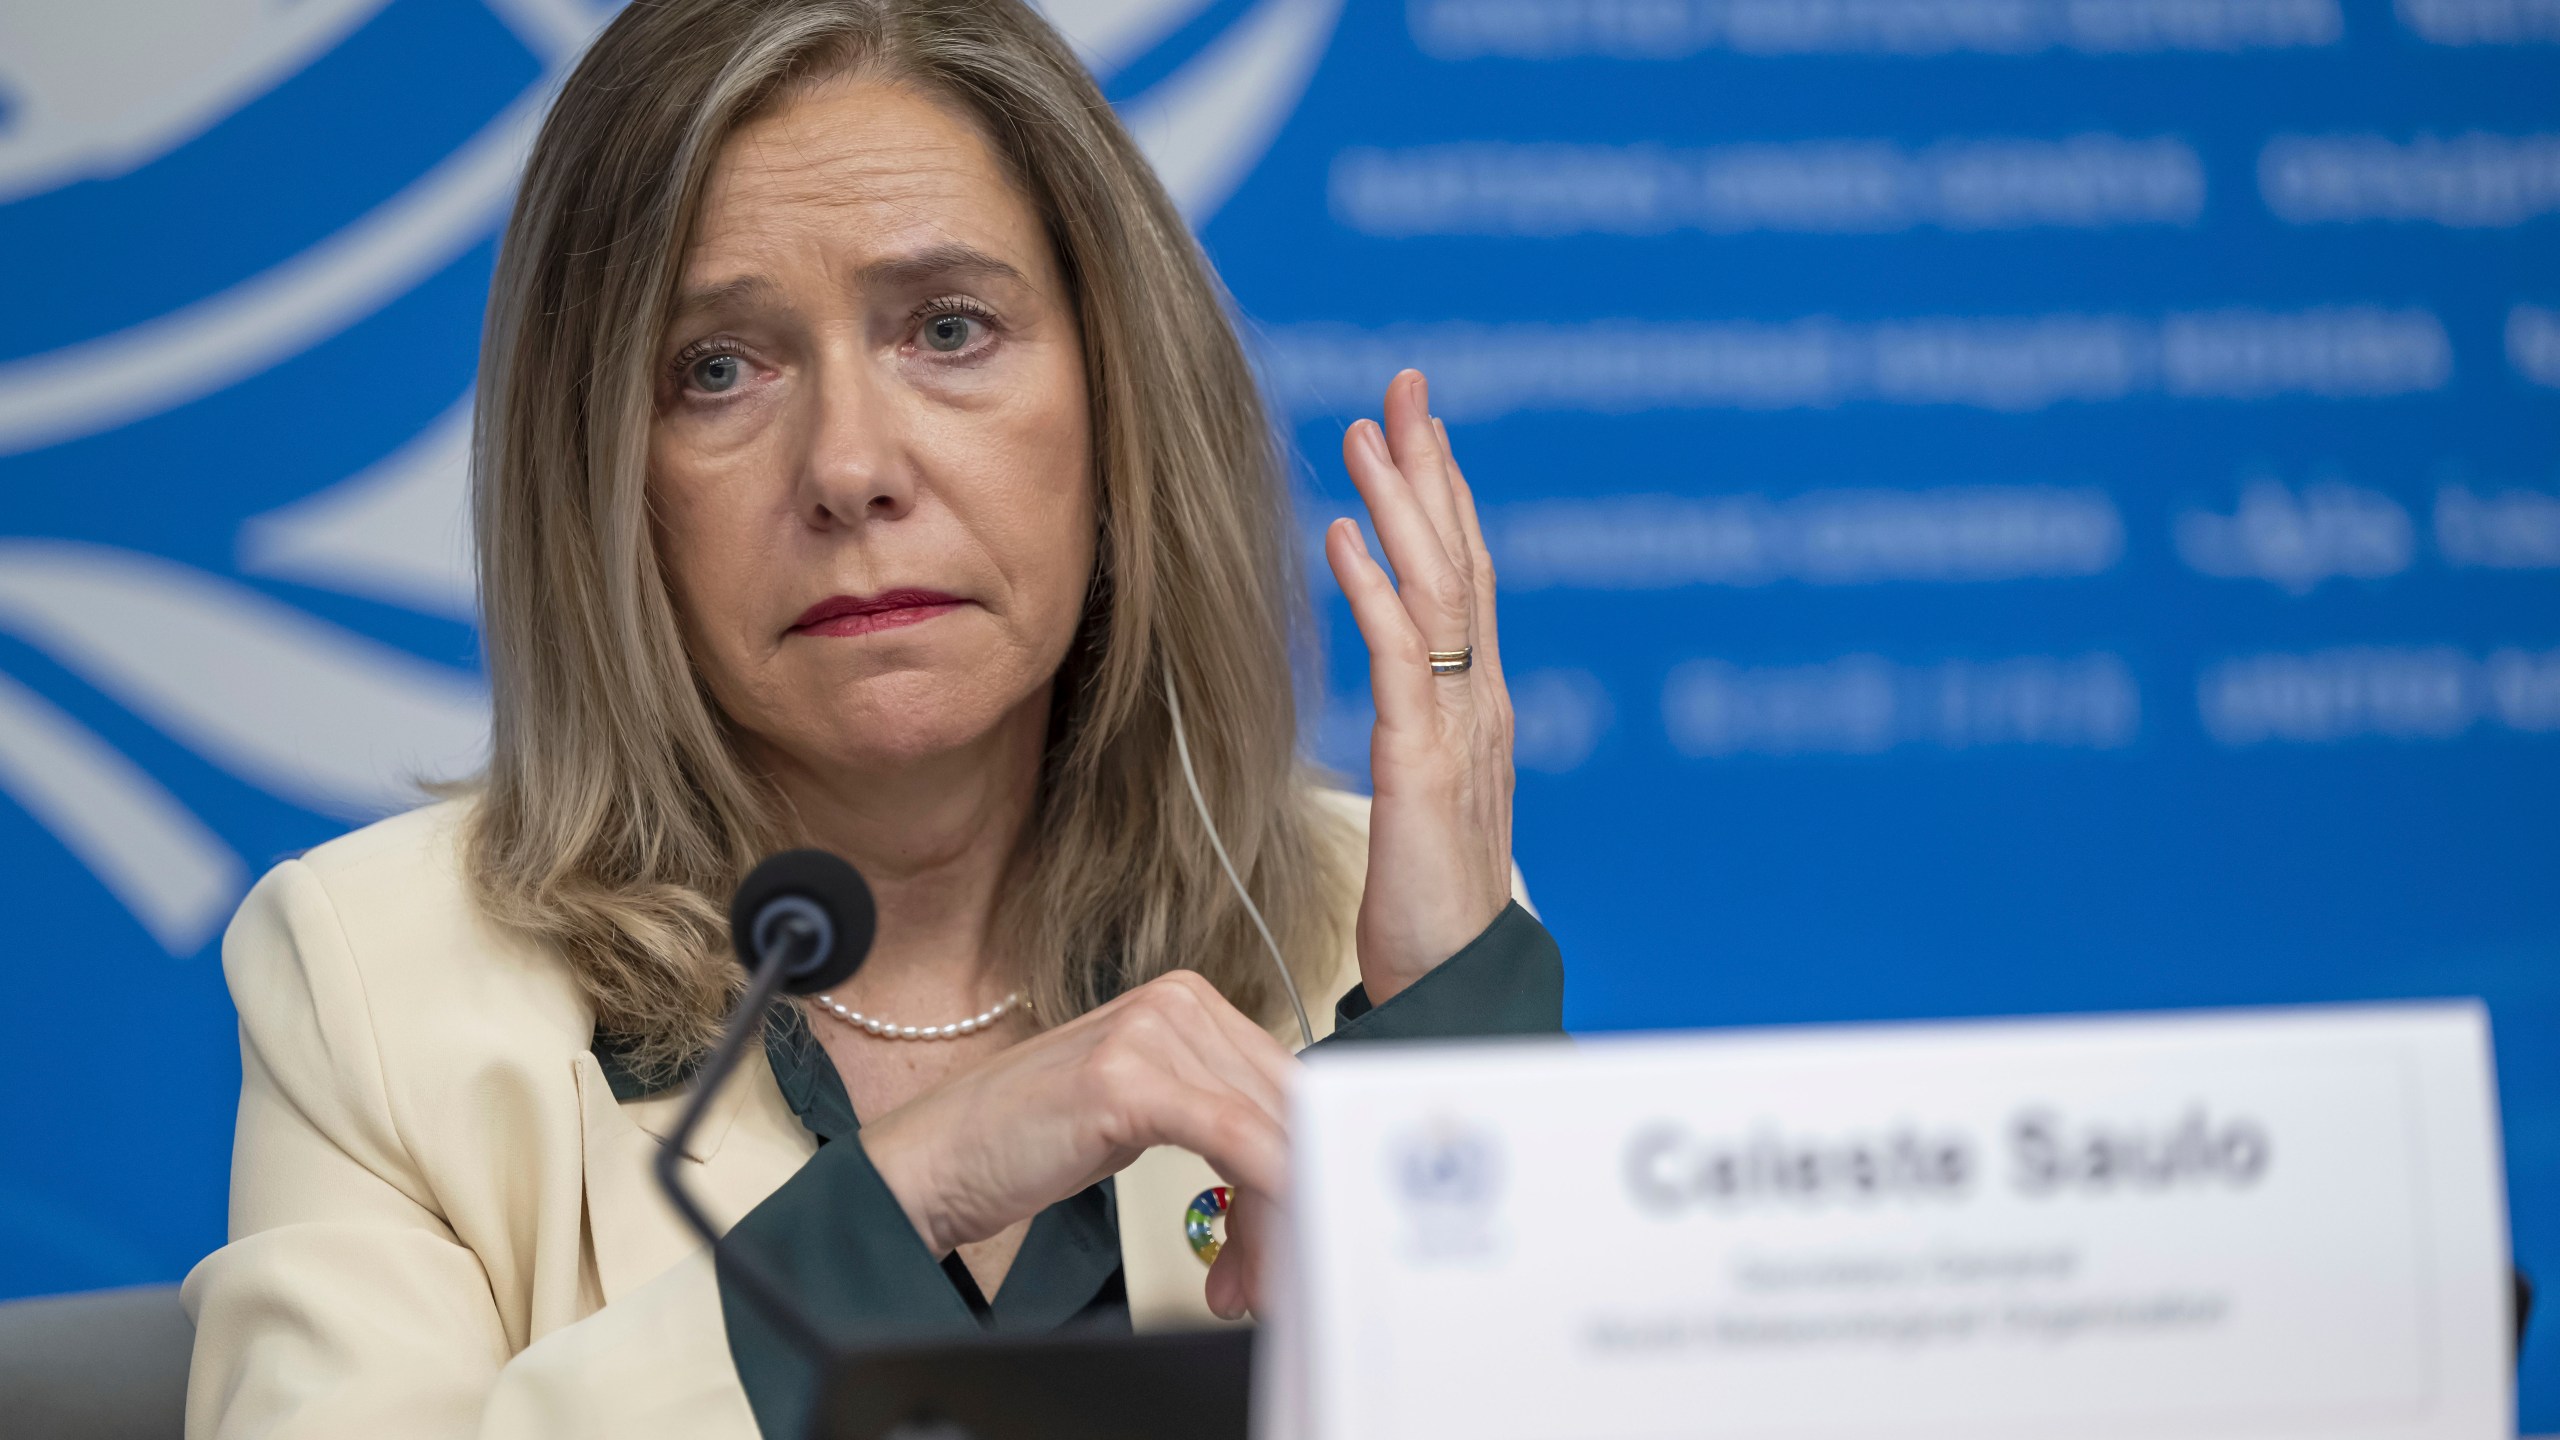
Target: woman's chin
point(891, 723)
point(902, 751)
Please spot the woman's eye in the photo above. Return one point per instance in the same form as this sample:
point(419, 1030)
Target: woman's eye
point(713, 374)
point(948, 332)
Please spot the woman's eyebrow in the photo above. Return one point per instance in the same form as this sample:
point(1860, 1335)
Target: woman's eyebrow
point(743, 290)
point(934, 263)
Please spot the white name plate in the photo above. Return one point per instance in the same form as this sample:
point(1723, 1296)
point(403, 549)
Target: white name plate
point(2286, 1223)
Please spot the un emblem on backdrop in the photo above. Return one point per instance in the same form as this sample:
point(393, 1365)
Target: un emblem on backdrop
point(322, 712)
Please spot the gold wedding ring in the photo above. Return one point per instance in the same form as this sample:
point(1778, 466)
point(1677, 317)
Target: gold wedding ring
point(1453, 662)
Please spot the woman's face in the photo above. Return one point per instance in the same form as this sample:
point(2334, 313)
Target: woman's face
point(869, 466)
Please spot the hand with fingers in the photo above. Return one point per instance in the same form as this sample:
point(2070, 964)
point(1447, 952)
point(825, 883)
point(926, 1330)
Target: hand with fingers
point(1440, 755)
point(1169, 1063)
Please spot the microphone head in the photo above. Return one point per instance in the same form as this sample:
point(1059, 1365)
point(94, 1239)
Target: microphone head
point(813, 907)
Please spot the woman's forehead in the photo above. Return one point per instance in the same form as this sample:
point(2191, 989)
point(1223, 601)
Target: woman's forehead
point(878, 176)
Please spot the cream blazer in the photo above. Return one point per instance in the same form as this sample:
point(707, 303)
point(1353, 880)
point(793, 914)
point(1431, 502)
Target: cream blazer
point(442, 1222)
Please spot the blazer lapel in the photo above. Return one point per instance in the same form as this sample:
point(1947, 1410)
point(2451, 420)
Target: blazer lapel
point(747, 1145)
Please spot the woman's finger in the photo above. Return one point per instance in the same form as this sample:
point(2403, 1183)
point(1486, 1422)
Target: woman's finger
point(1246, 1147)
point(1429, 585)
point(1234, 1286)
point(1413, 440)
point(1214, 1044)
point(1400, 677)
point(1182, 1082)
point(1160, 1040)
point(1253, 1048)
point(1224, 1289)
point(1488, 641)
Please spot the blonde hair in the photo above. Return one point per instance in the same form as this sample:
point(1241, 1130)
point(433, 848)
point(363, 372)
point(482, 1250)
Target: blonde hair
point(616, 813)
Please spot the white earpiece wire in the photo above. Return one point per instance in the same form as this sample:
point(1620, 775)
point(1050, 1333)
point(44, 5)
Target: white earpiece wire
point(1199, 802)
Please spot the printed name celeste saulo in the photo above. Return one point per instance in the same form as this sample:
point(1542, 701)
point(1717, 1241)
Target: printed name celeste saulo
point(1671, 1170)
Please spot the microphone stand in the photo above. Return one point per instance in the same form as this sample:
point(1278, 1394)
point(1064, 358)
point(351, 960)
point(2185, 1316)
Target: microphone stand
point(745, 1022)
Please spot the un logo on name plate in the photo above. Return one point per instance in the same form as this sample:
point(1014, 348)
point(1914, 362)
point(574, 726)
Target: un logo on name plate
point(335, 714)
point(1447, 1175)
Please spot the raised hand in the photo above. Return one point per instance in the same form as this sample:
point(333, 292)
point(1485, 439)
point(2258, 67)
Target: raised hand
point(1440, 755)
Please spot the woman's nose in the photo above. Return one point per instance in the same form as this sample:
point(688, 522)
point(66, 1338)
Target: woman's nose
point(856, 465)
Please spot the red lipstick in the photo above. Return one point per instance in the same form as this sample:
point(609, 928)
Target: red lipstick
point(862, 614)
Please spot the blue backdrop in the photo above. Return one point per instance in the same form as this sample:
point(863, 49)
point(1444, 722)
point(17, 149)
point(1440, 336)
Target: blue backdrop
point(2004, 505)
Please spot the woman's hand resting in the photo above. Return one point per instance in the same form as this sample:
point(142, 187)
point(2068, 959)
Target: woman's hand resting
point(1440, 755)
point(1169, 1063)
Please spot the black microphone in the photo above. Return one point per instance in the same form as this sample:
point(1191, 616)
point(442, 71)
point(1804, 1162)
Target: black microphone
point(802, 921)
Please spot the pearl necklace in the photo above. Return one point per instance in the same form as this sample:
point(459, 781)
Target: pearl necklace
point(889, 1030)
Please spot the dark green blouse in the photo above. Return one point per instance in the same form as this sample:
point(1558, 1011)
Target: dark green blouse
point(835, 1234)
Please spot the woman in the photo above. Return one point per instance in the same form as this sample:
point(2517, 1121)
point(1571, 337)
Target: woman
point(864, 461)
